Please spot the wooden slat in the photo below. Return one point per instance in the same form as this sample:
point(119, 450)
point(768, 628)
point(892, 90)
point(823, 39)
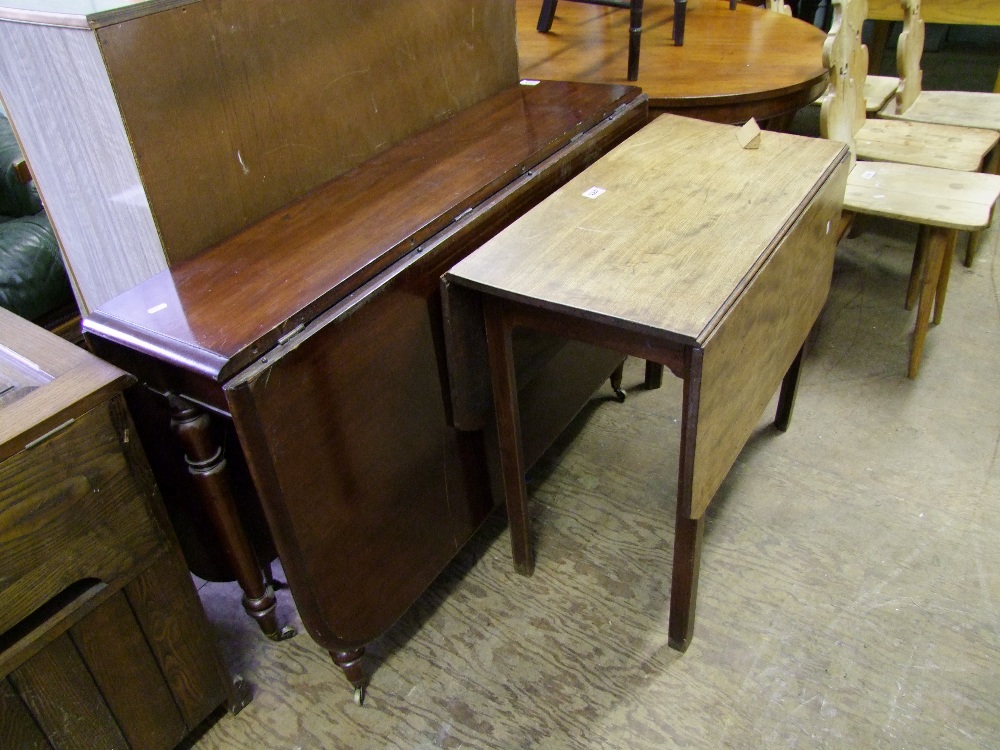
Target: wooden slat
point(236, 108)
point(65, 701)
point(167, 609)
point(70, 510)
point(733, 394)
point(125, 671)
point(18, 730)
point(922, 143)
point(974, 109)
point(957, 200)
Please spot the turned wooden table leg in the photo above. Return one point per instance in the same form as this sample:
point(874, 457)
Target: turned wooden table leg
point(786, 396)
point(206, 463)
point(351, 662)
point(684, 586)
point(501, 360)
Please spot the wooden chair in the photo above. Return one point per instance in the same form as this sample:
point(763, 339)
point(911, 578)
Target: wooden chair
point(967, 109)
point(941, 201)
point(926, 144)
point(974, 109)
point(634, 7)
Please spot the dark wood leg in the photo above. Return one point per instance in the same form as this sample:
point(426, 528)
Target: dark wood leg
point(880, 35)
point(654, 375)
point(501, 360)
point(786, 396)
point(352, 664)
point(680, 15)
point(616, 382)
point(206, 463)
point(937, 242)
point(634, 34)
point(684, 586)
point(546, 16)
point(942, 285)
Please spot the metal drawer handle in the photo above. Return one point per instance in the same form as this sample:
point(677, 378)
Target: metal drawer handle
point(47, 435)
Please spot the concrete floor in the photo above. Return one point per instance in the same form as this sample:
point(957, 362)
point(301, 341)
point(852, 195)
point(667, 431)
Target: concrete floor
point(850, 583)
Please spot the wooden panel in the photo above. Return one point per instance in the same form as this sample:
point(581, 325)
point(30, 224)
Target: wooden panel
point(974, 12)
point(645, 239)
point(745, 359)
point(70, 510)
point(70, 381)
point(237, 107)
point(64, 700)
point(963, 200)
point(924, 143)
point(170, 614)
point(63, 110)
point(18, 730)
point(300, 261)
point(977, 109)
point(119, 660)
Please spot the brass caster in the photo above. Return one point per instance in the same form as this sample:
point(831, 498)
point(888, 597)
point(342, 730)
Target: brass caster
point(620, 395)
point(359, 696)
point(284, 634)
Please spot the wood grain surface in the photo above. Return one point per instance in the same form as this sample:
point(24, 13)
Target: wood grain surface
point(65, 701)
point(750, 351)
point(118, 658)
point(733, 64)
point(86, 518)
point(974, 109)
point(671, 191)
point(173, 624)
point(17, 728)
point(299, 261)
point(924, 143)
point(901, 191)
point(235, 108)
point(78, 382)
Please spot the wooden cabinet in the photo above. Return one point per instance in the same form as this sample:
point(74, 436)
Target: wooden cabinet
point(103, 642)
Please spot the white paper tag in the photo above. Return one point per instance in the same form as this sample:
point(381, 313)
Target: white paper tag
point(868, 175)
point(593, 192)
point(157, 308)
point(529, 82)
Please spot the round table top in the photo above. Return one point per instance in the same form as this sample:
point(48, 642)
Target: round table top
point(734, 64)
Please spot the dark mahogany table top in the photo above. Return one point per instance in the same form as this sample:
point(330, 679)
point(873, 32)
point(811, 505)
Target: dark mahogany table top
point(220, 310)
